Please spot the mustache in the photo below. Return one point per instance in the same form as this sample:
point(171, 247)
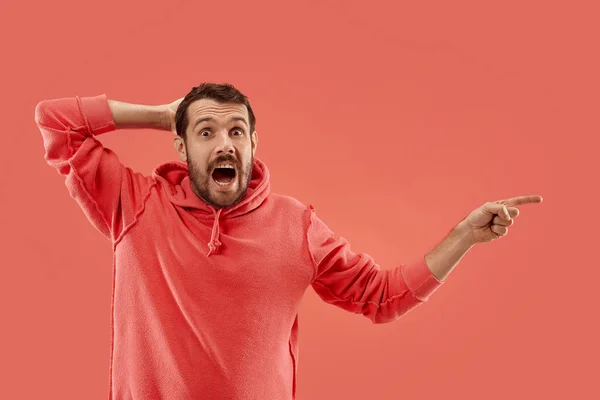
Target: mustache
point(223, 158)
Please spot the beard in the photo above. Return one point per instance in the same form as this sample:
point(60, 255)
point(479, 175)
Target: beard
point(200, 180)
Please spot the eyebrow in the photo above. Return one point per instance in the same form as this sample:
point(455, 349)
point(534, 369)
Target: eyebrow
point(208, 119)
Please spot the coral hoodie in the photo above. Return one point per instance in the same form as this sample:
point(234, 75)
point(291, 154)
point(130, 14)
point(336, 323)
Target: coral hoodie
point(205, 302)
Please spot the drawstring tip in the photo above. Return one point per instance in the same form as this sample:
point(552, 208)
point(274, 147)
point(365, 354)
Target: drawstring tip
point(212, 248)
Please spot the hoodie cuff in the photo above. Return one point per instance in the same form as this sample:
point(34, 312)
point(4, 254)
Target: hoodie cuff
point(97, 114)
point(419, 279)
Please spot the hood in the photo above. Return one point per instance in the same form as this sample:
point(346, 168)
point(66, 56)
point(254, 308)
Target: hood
point(175, 177)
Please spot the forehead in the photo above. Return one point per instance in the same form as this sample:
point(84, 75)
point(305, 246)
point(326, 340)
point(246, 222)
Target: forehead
point(219, 111)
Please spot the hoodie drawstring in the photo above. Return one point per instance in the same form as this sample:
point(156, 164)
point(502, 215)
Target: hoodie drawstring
point(214, 243)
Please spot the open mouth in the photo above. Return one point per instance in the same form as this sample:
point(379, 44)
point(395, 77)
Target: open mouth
point(224, 174)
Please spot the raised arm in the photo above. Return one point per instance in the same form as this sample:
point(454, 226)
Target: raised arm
point(109, 193)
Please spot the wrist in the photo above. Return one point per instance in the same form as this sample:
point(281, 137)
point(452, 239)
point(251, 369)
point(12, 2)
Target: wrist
point(446, 255)
point(464, 233)
point(163, 117)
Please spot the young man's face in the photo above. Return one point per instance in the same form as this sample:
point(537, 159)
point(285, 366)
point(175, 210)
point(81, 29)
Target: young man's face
point(219, 150)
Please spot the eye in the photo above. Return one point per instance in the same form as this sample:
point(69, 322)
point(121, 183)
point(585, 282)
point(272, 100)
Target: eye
point(204, 132)
point(237, 132)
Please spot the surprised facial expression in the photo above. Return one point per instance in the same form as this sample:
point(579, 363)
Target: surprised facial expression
point(219, 150)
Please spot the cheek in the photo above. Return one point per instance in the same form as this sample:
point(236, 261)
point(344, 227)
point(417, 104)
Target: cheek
point(246, 150)
point(197, 155)
point(247, 159)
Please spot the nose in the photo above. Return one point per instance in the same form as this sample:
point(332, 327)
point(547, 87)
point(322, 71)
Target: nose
point(225, 144)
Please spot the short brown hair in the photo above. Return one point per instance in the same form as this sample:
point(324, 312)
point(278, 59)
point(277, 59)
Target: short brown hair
point(221, 93)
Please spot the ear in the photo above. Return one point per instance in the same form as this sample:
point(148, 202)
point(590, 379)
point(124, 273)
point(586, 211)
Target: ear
point(179, 145)
point(254, 139)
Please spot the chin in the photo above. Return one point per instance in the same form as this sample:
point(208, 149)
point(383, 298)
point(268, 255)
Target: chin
point(222, 202)
point(221, 199)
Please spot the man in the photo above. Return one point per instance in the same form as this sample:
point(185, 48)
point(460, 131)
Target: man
point(209, 265)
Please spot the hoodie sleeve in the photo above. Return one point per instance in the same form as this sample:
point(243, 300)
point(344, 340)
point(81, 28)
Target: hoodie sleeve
point(357, 284)
point(109, 193)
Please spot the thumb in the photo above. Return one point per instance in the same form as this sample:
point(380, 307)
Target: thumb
point(499, 209)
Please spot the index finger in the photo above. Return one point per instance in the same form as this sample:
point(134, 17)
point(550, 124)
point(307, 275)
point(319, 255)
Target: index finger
point(519, 201)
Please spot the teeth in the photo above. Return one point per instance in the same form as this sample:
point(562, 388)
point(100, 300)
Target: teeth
point(228, 166)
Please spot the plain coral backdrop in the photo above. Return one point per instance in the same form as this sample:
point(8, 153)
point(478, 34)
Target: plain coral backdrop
point(394, 119)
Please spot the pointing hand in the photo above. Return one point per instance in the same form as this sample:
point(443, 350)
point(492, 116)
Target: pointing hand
point(491, 220)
